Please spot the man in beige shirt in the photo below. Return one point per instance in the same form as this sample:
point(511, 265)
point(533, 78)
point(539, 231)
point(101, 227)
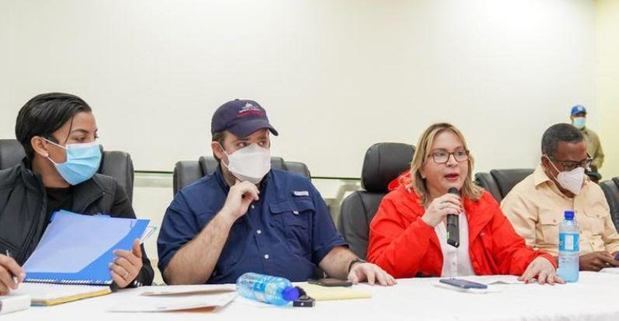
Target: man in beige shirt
point(594, 147)
point(535, 206)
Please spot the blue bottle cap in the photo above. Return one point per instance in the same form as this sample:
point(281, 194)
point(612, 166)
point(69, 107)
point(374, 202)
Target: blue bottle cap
point(568, 215)
point(290, 294)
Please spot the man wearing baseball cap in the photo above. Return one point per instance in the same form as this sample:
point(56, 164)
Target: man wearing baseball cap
point(247, 217)
point(594, 147)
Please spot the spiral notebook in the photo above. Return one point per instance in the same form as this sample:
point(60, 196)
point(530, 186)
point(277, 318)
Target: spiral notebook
point(77, 249)
point(46, 294)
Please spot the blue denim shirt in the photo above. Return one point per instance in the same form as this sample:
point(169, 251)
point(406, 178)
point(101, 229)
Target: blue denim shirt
point(286, 233)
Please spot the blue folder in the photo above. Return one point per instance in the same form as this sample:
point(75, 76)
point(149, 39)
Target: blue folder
point(77, 249)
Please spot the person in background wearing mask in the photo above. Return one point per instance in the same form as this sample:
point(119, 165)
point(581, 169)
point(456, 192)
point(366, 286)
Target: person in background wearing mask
point(247, 217)
point(408, 235)
point(58, 133)
point(535, 206)
point(594, 147)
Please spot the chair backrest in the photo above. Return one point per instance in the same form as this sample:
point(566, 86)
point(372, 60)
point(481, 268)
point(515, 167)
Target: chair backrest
point(187, 172)
point(383, 163)
point(611, 190)
point(499, 182)
point(116, 164)
point(11, 153)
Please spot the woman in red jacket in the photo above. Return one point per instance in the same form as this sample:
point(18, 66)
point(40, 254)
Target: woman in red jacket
point(408, 234)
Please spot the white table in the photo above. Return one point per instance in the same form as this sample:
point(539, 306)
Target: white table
point(594, 297)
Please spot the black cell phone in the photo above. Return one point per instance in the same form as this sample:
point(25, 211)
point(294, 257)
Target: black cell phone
point(463, 284)
point(330, 282)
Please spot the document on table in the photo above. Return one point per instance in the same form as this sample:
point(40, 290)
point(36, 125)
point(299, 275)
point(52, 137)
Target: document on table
point(188, 289)
point(14, 302)
point(494, 283)
point(612, 270)
point(52, 294)
point(195, 298)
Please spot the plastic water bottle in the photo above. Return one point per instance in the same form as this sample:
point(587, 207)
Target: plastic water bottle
point(569, 240)
point(266, 288)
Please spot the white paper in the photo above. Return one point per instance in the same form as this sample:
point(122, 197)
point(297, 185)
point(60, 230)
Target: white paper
point(142, 303)
point(612, 270)
point(14, 302)
point(49, 291)
point(188, 289)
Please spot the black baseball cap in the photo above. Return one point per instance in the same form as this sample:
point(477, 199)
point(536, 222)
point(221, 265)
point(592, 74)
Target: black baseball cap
point(241, 117)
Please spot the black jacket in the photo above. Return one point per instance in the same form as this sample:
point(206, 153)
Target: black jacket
point(23, 208)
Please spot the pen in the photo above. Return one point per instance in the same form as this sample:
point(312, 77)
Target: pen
point(15, 277)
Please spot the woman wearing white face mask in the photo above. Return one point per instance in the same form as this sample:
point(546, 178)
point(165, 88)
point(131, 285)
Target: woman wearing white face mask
point(58, 132)
point(535, 206)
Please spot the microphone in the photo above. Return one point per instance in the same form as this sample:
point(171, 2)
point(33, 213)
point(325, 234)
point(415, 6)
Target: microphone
point(453, 226)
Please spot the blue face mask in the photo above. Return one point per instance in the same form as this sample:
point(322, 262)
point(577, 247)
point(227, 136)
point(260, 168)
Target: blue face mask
point(579, 122)
point(82, 162)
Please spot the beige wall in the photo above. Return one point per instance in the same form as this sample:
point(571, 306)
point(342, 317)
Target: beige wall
point(336, 76)
point(607, 76)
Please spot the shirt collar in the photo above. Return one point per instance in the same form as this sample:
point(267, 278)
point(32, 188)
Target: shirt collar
point(219, 175)
point(539, 176)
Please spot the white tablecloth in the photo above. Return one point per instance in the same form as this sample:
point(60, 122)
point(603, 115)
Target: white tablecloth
point(594, 297)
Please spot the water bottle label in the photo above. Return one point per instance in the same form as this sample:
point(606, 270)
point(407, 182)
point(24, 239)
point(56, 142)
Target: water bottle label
point(569, 242)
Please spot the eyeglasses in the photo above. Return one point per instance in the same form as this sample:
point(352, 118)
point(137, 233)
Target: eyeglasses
point(570, 165)
point(441, 156)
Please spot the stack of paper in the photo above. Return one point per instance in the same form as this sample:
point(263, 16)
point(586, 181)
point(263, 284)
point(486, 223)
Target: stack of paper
point(194, 298)
point(613, 270)
point(13, 302)
point(52, 294)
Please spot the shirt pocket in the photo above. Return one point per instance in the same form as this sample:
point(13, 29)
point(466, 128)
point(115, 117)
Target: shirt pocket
point(594, 223)
point(550, 229)
point(293, 220)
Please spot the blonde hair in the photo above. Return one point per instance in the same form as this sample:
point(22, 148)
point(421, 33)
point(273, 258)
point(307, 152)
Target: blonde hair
point(422, 154)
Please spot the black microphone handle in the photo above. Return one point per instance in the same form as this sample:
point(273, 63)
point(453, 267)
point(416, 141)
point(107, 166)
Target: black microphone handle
point(453, 225)
point(453, 230)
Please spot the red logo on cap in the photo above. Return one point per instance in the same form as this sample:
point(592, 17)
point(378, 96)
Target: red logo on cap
point(250, 110)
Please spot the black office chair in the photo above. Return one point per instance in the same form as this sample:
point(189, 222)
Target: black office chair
point(383, 162)
point(11, 153)
point(187, 172)
point(611, 190)
point(499, 182)
point(116, 164)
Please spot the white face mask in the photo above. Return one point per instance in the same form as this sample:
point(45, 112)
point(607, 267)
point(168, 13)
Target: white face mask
point(250, 163)
point(572, 180)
